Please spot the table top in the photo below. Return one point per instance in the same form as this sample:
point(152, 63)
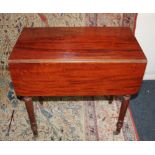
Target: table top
point(97, 44)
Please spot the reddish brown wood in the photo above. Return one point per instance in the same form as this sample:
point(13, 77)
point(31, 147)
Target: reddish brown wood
point(76, 79)
point(30, 111)
point(81, 61)
point(77, 43)
point(76, 61)
point(122, 113)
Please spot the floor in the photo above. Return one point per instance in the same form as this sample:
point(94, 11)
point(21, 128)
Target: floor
point(61, 118)
point(95, 117)
point(143, 111)
point(67, 118)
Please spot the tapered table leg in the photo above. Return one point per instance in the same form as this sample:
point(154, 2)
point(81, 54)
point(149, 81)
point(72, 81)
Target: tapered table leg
point(122, 113)
point(30, 110)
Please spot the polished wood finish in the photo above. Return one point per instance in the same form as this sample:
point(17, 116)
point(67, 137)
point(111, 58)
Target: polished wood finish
point(76, 43)
point(122, 113)
point(30, 111)
point(76, 79)
point(77, 61)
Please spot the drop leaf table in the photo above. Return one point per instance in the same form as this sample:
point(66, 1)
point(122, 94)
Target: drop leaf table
point(76, 61)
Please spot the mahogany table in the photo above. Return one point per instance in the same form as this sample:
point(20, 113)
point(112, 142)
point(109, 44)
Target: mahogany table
point(76, 61)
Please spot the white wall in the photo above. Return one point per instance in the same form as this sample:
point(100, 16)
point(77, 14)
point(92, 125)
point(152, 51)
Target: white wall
point(145, 34)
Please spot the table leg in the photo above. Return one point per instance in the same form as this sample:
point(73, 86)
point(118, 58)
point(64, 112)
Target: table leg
point(30, 110)
point(122, 113)
point(41, 100)
point(110, 98)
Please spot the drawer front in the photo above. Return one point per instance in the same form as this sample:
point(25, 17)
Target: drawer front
point(76, 79)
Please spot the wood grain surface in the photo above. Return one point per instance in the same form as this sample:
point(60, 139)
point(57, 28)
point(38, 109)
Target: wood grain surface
point(76, 79)
point(78, 43)
point(84, 61)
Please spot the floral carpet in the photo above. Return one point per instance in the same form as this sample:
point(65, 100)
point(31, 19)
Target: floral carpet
point(61, 118)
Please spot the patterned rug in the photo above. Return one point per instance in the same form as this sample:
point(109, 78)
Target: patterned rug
point(61, 118)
